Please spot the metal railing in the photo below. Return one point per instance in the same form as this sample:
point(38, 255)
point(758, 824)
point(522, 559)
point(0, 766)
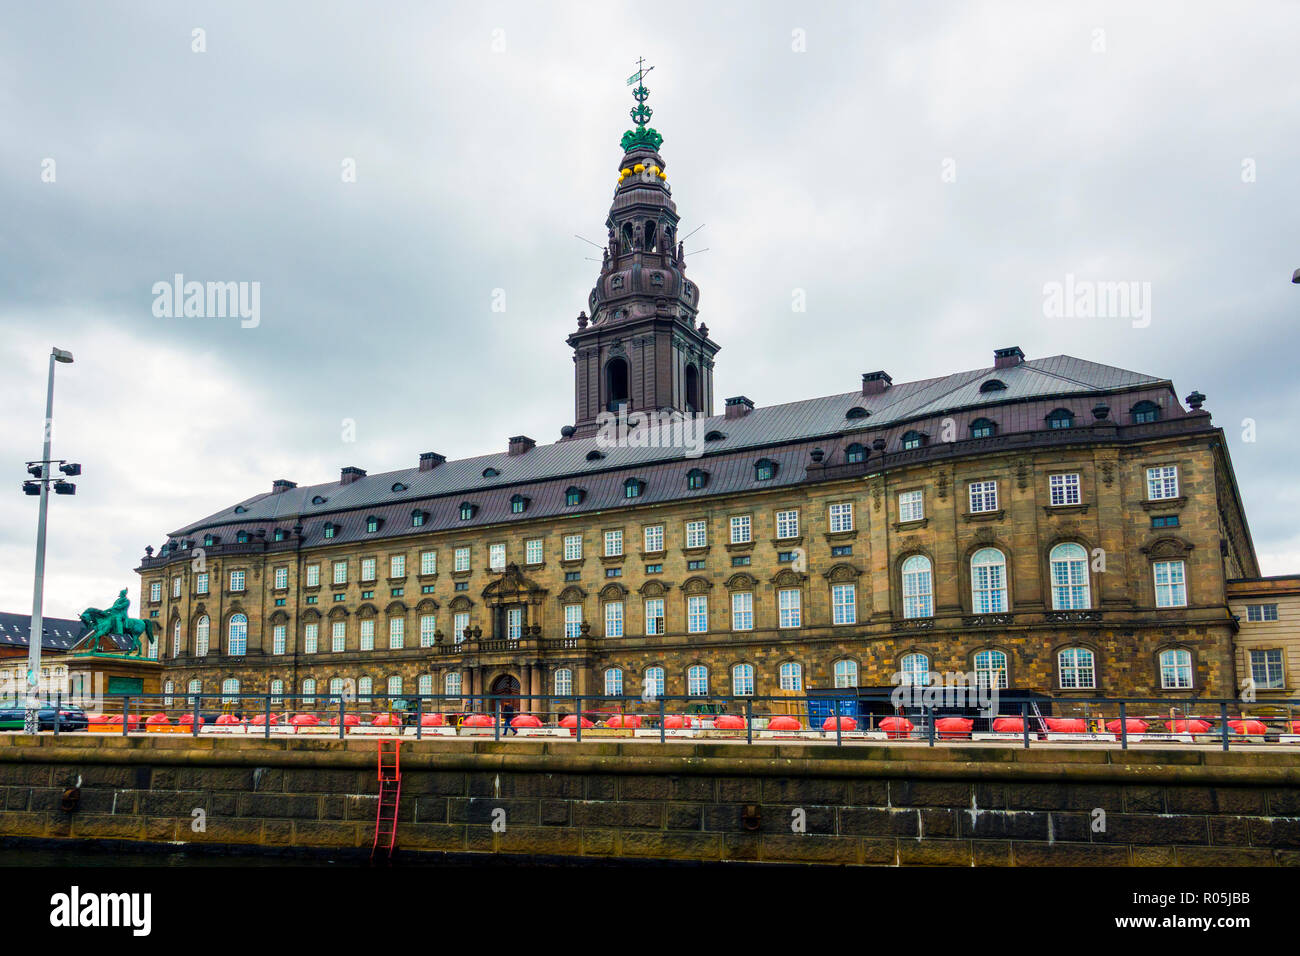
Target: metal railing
point(844, 718)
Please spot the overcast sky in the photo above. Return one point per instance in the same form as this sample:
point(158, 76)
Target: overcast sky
point(919, 171)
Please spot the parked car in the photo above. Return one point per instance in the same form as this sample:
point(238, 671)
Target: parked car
point(71, 717)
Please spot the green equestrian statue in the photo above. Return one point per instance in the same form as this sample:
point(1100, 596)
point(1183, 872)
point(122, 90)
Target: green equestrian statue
point(115, 621)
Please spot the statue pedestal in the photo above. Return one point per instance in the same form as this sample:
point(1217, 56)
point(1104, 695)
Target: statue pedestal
point(95, 681)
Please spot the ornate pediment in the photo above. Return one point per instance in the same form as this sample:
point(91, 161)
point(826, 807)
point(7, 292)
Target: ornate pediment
point(512, 588)
point(654, 589)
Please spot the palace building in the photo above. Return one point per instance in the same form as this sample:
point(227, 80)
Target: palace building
point(1052, 524)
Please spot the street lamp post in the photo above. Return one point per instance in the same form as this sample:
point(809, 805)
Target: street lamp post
point(31, 720)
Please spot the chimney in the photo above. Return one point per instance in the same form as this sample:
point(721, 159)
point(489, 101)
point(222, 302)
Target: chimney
point(430, 460)
point(351, 474)
point(1008, 358)
point(520, 444)
point(282, 484)
point(873, 383)
point(739, 406)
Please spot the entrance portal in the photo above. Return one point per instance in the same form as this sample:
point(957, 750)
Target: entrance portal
point(505, 686)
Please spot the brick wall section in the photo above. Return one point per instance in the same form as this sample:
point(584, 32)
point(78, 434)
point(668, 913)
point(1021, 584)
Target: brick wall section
point(875, 805)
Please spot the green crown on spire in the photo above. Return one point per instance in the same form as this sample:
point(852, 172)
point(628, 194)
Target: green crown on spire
point(642, 136)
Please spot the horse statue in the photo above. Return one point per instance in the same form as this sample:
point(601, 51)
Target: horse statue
point(115, 621)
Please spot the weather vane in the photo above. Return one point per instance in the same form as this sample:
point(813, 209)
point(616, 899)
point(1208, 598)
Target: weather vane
point(640, 113)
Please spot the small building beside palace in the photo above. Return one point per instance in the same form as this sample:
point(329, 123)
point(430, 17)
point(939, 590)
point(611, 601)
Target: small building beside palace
point(1052, 524)
point(1268, 644)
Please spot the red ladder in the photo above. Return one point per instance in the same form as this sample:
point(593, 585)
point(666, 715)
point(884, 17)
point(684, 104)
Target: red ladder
point(390, 793)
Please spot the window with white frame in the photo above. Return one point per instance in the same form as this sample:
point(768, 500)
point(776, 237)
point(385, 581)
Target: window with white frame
point(983, 496)
point(1063, 490)
point(846, 673)
point(789, 609)
point(654, 538)
point(310, 637)
point(313, 575)
point(367, 569)
point(451, 684)
point(176, 585)
point(367, 634)
point(914, 669)
point(911, 505)
point(1171, 583)
point(696, 534)
point(514, 623)
point(1176, 669)
point(460, 623)
point(573, 547)
point(169, 688)
point(787, 524)
point(176, 638)
point(340, 572)
point(697, 613)
point(1069, 572)
point(563, 682)
point(365, 687)
point(276, 688)
point(201, 583)
point(1257, 613)
point(428, 629)
point(918, 587)
point(573, 620)
point(533, 551)
point(496, 557)
point(236, 581)
point(279, 638)
point(988, 575)
point(841, 516)
point(1078, 669)
point(697, 680)
point(428, 562)
point(1162, 482)
point(613, 618)
point(336, 686)
point(397, 565)
point(201, 634)
point(614, 682)
point(844, 604)
point(460, 559)
point(281, 579)
point(1266, 669)
point(155, 590)
point(742, 611)
point(395, 684)
point(425, 687)
point(194, 688)
point(654, 682)
point(396, 633)
point(991, 669)
point(741, 529)
point(230, 690)
point(309, 691)
point(790, 676)
point(338, 637)
point(654, 615)
point(614, 543)
point(742, 680)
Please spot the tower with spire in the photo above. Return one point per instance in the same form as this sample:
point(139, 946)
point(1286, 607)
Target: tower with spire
point(638, 346)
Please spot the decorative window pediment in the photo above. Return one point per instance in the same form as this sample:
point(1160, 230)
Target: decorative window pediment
point(697, 585)
point(842, 573)
point(653, 589)
point(741, 582)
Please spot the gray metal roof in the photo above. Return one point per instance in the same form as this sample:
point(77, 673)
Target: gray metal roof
point(58, 634)
point(775, 425)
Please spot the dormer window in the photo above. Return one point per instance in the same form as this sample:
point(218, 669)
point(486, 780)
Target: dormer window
point(280, 534)
point(994, 385)
point(595, 455)
point(398, 486)
point(518, 504)
point(318, 500)
point(714, 436)
point(696, 479)
point(855, 453)
point(467, 510)
point(207, 541)
point(490, 472)
point(1061, 418)
point(982, 428)
point(764, 469)
point(418, 518)
point(240, 509)
point(573, 496)
point(372, 524)
point(330, 530)
point(241, 537)
point(913, 439)
point(1145, 412)
point(857, 411)
point(633, 487)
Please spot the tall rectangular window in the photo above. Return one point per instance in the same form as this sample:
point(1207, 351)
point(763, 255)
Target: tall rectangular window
point(741, 529)
point(1063, 490)
point(368, 634)
point(911, 506)
point(497, 557)
point(310, 638)
point(155, 590)
point(696, 534)
point(514, 623)
point(841, 516)
point(697, 613)
point(573, 620)
point(983, 496)
point(459, 623)
point(1266, 669)
point(533, 551)
point(1162, 482)
point(176, 584)
point(236, 581)
point(340, 572)
point(788, 606)
point(614, 619)
point(654, 615)
point(742, 611)
point(338, 636)
point(428, 629)
point(613, 543)
point(313, 575)
point(397, 565)
point(281, 579)
point(844, 604)
point(461, 560)
point(367, 569)
point(279, 635)
point(1171, 583)
point(573, 547)
point(787, 524)
point(428, 562)
point(396, 632)
point(654, 538)
point(201, 583)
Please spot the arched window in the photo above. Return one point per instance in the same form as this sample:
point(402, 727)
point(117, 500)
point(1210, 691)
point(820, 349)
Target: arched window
point(195, 688)
point(1145, 412)
point(857, 411)
point(336, 686)
point(491, 473)
point(791, 676)
point(692, 389)
point(1176, 669)
point(912, 439)
point(654, 681)
point(395, 684)
point(697, 680)
point(451, 684)
point(309, 691)
point(914, 669)
point(614, 682)
point(1069, 569)
point(918, 587)
point(276, 688)
point(988, 580)
point(993, 385)
point(846, 673)
point(201, 635)
point(855, 453)
point(237, 635)
point(991, 669)
point(1078, 669)
point(742, 680)
point(563, 682)
point(982, 428)
point(426, 685)
point(616, 387)
point(1061, 418)
point(168, 688)
point(365, 687)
